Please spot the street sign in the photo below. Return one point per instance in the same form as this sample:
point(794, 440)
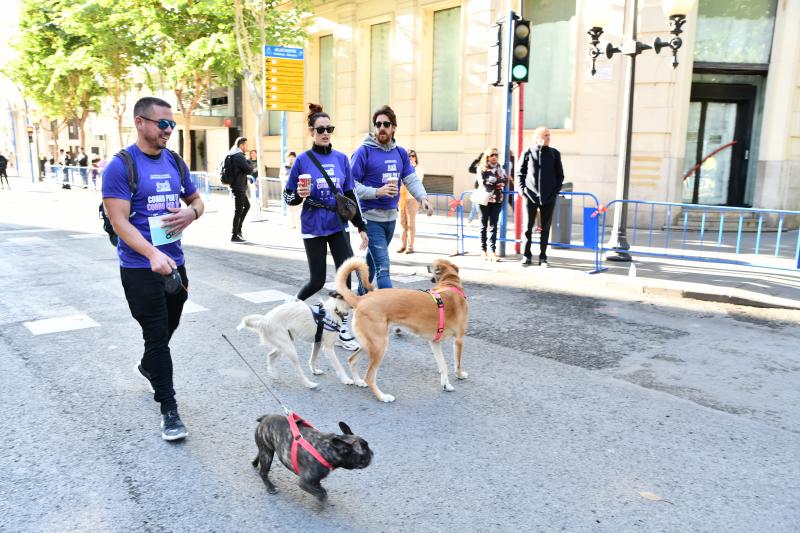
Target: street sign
point(284, 79)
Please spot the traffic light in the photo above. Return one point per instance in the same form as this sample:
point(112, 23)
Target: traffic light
point(30, 134)
point(521, 50)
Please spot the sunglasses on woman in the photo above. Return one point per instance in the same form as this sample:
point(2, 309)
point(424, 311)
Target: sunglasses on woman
point(385, 123)
point(324, 129)
point(493, 155)
point(163, 123)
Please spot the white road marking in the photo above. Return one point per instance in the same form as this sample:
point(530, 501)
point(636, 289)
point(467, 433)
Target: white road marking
point(59, 324)
point(85, 236)
point(24, 240)
point(409, 279)
point(192, 307)
point(260, 297)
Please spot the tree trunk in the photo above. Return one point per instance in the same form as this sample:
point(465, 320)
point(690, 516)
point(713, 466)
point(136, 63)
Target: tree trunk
point(187, 138)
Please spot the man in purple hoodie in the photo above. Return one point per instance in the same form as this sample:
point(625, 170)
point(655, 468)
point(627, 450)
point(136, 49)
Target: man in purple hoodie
point(377, 166)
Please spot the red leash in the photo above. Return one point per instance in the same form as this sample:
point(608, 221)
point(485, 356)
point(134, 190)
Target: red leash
point(298, 439)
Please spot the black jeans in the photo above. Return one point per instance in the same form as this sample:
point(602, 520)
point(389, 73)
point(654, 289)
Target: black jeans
point(317, 252)
point(546, 212)
point(241, 207)
point(489, 215)
point(159, 314)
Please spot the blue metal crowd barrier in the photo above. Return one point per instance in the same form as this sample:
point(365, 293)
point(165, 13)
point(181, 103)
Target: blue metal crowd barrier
point(591, 226)
point(699, 233)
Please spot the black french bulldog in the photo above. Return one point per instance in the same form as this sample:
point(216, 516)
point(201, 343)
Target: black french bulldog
point(341, 451)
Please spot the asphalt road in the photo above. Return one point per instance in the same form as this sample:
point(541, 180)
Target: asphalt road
point(575, 406)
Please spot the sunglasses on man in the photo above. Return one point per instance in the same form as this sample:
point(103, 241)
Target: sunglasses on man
point(385, 123)
point(324, 129)
point(163, 123)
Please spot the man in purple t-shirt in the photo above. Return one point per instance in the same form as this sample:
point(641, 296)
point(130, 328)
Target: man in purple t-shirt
point(149, 224)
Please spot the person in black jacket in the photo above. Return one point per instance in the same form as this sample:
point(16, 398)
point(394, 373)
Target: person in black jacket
point(239, 170)
point(540, 178)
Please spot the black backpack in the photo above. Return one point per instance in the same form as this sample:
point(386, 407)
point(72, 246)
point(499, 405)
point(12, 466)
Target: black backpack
point(133, 182)
point(225, 174)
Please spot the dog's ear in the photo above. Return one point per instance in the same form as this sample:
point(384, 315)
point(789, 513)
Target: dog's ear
point(345, 428)
point(335, 294)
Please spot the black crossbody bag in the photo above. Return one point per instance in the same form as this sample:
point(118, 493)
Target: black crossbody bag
point(345, 207)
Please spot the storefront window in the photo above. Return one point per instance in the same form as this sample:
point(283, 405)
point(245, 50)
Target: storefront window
point(734, 31)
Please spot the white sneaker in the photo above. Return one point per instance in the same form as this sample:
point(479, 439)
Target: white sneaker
point(351, 344)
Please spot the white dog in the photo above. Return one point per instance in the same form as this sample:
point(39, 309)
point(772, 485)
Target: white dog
point(295, 320)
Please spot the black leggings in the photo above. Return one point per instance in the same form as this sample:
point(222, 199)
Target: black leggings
point(317, 253)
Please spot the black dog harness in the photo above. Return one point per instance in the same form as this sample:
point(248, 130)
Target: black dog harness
point(323, 322)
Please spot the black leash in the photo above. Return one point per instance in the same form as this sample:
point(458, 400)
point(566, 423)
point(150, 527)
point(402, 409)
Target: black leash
point(256, 374)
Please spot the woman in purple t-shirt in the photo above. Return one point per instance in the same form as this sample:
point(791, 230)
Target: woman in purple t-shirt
point(320, 224)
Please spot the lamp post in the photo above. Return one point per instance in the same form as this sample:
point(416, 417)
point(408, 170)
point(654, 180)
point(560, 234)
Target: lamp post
point(596, 16)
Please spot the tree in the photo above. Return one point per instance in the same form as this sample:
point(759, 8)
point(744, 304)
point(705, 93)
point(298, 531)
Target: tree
point(56, 65)
point(259, 23)
point(194, 42)
point(118, 38)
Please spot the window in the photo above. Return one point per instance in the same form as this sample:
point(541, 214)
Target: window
point(326, 80)
point(734, 31)
point(548, 96)
point(379, 71)
point(446, 69)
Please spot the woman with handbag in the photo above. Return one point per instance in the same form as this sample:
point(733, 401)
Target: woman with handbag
point(320, 179)
point(489, 197)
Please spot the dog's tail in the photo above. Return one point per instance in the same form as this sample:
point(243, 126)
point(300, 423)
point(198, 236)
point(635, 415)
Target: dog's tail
point(353, 264)
point(250, 321)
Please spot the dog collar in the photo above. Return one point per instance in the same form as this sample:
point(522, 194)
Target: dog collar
point(298, 440)
point(440, 304)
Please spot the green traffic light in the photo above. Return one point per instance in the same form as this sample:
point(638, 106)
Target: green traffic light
point(519, 72)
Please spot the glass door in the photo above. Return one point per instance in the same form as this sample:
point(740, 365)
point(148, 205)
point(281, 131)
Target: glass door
point(717, 144)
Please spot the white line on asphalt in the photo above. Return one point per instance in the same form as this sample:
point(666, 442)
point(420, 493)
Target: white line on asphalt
point(24, 240)
point(31, 230)
point(260, 297)
point(85, 236)
point(410, 279)
point(59, 324)
point(192, 307)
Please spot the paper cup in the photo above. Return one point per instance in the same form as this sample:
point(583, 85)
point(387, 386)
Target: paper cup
point(304, 180)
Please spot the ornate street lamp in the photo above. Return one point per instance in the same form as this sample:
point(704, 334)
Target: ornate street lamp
point(596, 18)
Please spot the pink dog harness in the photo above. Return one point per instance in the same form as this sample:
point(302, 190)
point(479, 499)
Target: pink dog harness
point(298, 439)
point(440, 304)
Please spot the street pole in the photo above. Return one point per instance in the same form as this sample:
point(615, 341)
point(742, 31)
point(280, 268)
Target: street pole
point(283, 157)
point(619, 239)
point(507, 147)
point(518, 200)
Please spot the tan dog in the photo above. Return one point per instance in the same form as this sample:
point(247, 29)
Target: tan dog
point(415, 310)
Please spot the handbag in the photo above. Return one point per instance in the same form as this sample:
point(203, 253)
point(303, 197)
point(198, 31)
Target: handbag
point(345, 207)
point(481, 196)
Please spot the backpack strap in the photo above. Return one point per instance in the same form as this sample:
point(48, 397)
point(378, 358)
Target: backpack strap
point(130, 169)
point(180, 163)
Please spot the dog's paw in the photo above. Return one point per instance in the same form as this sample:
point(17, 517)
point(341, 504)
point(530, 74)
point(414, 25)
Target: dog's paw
point(312, 385)
point(347, 381)
point(386, 398)
point(272, 373)
point(461, 374)
point(448, 387)
point(272, 490)
point(317, 371)
point(360, 383)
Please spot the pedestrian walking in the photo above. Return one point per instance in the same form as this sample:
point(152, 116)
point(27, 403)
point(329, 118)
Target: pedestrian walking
point(320, 224)
point(3, 171)
point(239, 170)
point(149, 223)
point(252, 158)
point(493, 180)
point(540, 178)
point(408, 210)
point(473, 169)
point(283, 176)
point(82, 161)
point(378, 166)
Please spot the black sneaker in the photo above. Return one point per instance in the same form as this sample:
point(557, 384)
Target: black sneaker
point(171, 426)
point(237, 238)
point(526, 262)
point(543, 262)
point(145, 374)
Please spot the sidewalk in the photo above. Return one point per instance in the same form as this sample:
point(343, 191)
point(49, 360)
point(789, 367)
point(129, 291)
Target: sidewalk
point(76, 209)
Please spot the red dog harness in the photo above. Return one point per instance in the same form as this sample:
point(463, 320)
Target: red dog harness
point(440, 304)
point(298, 439)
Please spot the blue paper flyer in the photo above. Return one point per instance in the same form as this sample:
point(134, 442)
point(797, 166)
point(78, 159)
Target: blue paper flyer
point(158, 235)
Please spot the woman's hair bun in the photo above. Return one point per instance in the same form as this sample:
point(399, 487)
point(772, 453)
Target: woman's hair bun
point(314, 108)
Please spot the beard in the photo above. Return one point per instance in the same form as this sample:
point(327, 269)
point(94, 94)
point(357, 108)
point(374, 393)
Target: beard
point(384, 137)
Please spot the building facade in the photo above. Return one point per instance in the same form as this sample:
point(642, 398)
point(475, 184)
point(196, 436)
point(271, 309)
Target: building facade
point(738, 79)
